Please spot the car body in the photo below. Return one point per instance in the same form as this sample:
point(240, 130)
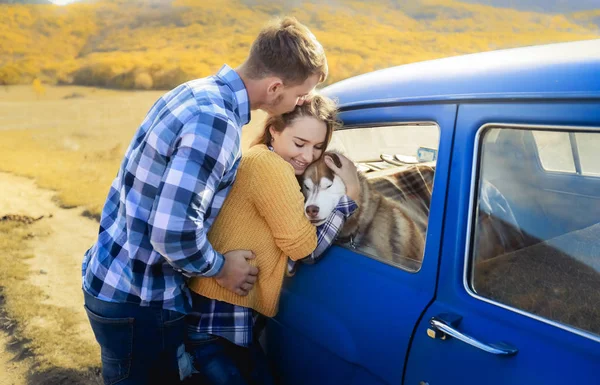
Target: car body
point(507, 290)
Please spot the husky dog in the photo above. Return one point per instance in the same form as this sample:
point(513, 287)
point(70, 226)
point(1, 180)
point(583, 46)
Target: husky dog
point(381, 226)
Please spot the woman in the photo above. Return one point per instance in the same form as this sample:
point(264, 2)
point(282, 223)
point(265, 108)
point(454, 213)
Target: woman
point(267, 195)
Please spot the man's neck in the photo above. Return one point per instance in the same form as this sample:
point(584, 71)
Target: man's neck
point(253, 87)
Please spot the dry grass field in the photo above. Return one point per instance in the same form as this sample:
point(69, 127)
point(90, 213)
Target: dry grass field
point(74, 144)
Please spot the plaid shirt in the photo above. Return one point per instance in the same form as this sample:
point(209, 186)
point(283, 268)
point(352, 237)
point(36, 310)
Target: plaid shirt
point(235, 323)
point(169, 189)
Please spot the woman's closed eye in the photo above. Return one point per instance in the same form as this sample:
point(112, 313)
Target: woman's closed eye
point(299, 145)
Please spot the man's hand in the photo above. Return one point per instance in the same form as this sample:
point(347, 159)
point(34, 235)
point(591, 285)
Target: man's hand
point(237, 274)
point(348, 173)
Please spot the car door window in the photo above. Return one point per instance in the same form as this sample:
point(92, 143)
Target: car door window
point(535, 248)
point(398, 162)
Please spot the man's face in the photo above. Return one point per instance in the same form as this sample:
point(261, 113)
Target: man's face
point(287, 98)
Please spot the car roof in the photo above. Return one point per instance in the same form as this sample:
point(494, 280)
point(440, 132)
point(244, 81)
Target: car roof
point(563, 70)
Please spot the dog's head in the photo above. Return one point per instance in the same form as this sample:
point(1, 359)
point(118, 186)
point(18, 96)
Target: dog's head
point(322, 189)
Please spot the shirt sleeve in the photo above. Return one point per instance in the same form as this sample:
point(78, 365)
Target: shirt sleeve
point(206, 148)
point(329, 230)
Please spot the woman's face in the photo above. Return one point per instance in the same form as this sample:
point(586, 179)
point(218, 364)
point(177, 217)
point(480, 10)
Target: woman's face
point(300, 143)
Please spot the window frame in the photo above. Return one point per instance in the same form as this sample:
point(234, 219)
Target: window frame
point(473, 195)
point(384, 125)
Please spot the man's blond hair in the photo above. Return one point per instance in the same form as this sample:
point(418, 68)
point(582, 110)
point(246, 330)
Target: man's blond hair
point(287, 49)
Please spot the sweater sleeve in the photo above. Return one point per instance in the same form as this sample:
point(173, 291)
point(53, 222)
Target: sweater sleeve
point(277, 197)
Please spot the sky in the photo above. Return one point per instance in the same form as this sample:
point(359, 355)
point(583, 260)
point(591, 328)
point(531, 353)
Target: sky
point(62, 2)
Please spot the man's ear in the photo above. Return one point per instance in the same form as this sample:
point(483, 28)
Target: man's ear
point(335, 158)
point(275, 86)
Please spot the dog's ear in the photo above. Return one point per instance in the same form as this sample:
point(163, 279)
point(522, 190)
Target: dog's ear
point(335, 158)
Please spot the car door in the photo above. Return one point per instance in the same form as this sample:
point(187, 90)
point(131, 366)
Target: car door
point(349, 318)
point(525, 311)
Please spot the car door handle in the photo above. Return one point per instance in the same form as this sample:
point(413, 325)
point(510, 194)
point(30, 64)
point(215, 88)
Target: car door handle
point(446, 325)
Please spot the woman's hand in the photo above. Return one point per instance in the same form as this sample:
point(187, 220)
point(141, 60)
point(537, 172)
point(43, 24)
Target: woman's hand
point(348, 173)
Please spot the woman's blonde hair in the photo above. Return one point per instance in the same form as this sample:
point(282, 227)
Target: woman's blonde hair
point(316, 106)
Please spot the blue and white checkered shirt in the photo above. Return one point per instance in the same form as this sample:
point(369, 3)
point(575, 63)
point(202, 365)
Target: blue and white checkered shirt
point(170, 187)
point(236, 323)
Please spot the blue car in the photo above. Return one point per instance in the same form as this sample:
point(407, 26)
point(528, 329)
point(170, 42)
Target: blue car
point(508, 289)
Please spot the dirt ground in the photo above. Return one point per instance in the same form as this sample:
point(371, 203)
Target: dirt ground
point(12, 372)
point(54, 268)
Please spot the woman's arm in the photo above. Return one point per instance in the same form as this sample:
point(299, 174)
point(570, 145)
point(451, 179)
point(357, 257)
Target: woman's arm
point(277, 196)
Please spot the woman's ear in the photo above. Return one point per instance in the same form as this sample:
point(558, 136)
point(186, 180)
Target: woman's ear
point(272, 131)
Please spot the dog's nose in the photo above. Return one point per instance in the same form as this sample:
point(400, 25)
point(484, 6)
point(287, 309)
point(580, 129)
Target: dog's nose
point(312, 211)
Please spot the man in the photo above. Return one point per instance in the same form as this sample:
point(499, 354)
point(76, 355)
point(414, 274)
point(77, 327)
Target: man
point(171, 184)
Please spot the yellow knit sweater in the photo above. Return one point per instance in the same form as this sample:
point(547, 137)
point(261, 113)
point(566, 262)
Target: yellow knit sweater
point(264, 212)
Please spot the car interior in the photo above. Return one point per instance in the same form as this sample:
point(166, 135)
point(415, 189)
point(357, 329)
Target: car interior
point(535, 245)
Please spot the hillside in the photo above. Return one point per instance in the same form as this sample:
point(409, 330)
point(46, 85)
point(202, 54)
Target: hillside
point(158, 44)
point(548, 6)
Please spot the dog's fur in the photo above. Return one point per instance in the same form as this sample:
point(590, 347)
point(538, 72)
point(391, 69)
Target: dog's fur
point(380, 226)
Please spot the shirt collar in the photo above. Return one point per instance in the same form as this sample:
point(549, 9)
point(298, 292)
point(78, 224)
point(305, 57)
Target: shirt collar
point(233, 80)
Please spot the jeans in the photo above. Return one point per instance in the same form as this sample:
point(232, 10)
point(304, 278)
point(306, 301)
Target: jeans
point(220, 362)
point(139, 345)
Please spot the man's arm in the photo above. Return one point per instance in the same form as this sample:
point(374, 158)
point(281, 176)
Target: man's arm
point(185, 195)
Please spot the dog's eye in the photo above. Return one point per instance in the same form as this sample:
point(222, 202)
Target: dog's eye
point(326, 187)
point(306, 186)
